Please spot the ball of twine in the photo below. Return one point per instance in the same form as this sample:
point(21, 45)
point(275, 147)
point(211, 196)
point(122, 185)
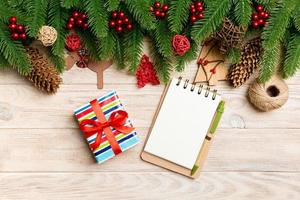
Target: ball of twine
point(270, 95)
point(47, 35)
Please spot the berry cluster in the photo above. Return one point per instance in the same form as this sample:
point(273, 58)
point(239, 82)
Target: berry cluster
point(146, 73)
point(77, 19)
point(17, 31)
point(159, 10)
point(259, 17)
point(120, 22)
point(196, 11)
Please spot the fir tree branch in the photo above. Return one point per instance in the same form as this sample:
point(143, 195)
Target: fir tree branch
point(296, 18)
point(243, 11)
point(69, 3)
point(234, 55)
point(214, 17)
point(190, 55)
point(292, 57)
point(91, 43)
point(57, 61)
point(3, 62)
point(163, 39)
point(178, 14)
point(36, 15)
point(6, 11)
point(107, 46)
point(140, 11)
point(272, 37)
point(98, 17)
point(119, 53)
point(57, 18)
point(13, 52)
point(112, 4)
point(133, 41)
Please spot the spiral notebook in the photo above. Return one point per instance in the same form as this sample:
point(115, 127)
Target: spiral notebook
point(183, 127)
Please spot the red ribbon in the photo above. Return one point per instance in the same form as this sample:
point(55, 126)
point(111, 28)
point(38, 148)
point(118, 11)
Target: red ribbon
point(116, 120)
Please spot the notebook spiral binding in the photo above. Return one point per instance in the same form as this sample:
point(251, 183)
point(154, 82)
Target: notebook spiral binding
point(200, 88)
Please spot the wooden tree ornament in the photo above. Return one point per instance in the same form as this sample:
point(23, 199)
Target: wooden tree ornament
point(98, 67)
point(211, 64)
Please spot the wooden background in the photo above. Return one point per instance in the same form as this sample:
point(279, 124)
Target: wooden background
point(44, 156)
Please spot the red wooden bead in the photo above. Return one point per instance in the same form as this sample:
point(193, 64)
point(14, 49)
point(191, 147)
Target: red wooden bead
point(119, 29)
point(157, 4)
point(75, 14)
point(20, 28)
point(114, 14)
point(23, 36)
point(112, 24)
point(12, 20)
point(121, 15)
point(259, 8)
point(15, 36)
point(12, 27)
point(165, 8)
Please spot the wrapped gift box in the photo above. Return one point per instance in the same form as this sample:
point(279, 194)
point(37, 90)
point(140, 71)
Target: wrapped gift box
point(109, 104)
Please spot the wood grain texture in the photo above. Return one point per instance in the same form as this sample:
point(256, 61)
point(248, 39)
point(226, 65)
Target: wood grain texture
point(44, 156)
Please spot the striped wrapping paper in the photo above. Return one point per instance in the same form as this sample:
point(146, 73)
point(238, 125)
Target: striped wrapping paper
point(109, 103)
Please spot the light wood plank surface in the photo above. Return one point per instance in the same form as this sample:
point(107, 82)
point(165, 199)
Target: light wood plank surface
point(43, 155)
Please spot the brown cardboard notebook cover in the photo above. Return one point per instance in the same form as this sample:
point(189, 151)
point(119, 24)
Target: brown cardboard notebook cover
point(148, 157)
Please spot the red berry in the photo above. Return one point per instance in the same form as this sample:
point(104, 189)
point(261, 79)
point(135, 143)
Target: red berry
point(71, 20)
point(126, 20)
point(112, 24)
point(262, 14)
point(192, 10)
point(15, 36)
point(261, 22)
point(162, 14)
point(79, 22)
point(12, 27)
point(75, 14)
point(23, 36)
point(121, 15)
point(69, 26)
point(192, 6)
point(129, 27)
point(199, 4)
point(266, 15)
point(85, 26)
point(259, 8)
point(20, 28)
point(200, 9)
point(193, 18)
point(255, 16)
point(255, 24)
point(151, 9)
point(157, 4)
point(83, 16)
point(119, 29)
point(165, 8)
point(200, 16)
point(157, 13)
point(119, 22)
point(114, 14)
point(12, 20)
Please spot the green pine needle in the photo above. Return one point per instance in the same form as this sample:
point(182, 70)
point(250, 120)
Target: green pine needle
point(98, 17)
point(91, 43)
point(108, 46)
point(296, 18)
point(57, 61)
point(140, 11)
point(214, 17)
point(119, 53)
point(133, 41)
point(234, 55)
point(3, 62)
point(243, 11)
point(6, 11)
point(36, 16)
point(112, 4)
point(58, 18)
point(190, 55)
point(13, 52)
point(163, 39)
point(292, 57)
point(178, 14)
point(69, 3)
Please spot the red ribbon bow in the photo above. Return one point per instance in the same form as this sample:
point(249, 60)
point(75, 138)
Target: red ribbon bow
point(116, 120)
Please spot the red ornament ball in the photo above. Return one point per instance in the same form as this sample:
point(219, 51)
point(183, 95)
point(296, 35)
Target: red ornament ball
point(181, 44)
point(73, 42)
point(157, 4)
point(12, 20)
point(14, 36)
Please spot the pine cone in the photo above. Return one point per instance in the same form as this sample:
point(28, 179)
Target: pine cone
point(230, 36)
point(43, 75)
point(239, 73)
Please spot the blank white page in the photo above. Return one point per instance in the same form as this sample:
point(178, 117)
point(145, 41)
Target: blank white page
point(182, 124)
